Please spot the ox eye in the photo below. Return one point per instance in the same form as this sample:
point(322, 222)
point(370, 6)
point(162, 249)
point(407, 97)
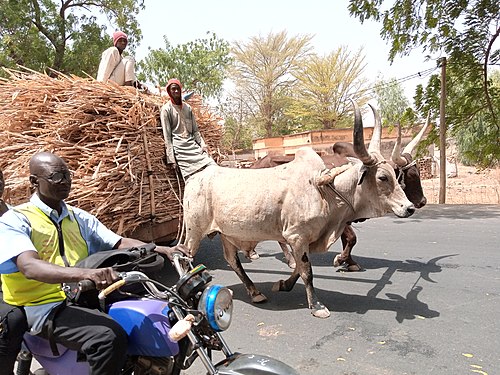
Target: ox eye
point(383, 178)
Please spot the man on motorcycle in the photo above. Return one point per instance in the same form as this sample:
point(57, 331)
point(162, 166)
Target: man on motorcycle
point(42, 239)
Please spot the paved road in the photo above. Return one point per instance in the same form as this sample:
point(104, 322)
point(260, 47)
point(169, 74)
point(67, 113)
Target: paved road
point(426, 303)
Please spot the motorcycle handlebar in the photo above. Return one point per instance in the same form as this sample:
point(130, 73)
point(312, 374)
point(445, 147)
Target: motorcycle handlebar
point(86, 285)
point(106, 291)
point(124, 278)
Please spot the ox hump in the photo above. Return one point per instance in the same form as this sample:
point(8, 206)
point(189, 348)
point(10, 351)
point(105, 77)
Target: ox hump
point(307, 155)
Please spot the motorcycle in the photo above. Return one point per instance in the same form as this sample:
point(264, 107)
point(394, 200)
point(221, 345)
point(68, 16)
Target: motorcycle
point(168, 327)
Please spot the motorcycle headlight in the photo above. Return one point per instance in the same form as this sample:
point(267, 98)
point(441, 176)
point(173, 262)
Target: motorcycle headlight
point(216, 303)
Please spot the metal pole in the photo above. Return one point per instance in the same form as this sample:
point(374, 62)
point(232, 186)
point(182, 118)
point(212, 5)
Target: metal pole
point(442, 135)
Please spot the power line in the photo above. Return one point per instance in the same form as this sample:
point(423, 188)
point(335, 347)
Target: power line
point(398, 81)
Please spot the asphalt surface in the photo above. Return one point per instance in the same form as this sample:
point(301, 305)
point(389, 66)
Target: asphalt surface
point(427, 301)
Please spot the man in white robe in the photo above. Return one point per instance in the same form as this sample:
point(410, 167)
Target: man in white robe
point(116, 67)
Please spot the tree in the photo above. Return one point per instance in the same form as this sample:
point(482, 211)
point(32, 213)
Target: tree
point(238, 127)
point(65, 36)
point(467, 115)
point(394, 105)
point(465, 31)
point(264, 74)
point(324, 83)
point(200, 65)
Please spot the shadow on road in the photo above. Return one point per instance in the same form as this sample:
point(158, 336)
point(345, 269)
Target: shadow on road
point(405, 307)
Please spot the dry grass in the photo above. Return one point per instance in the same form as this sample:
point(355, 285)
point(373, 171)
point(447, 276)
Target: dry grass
point(111, 138)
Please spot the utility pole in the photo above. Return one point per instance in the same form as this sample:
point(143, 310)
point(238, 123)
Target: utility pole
point(442, 135)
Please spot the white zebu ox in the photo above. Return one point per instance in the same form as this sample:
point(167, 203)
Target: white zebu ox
point(290, 203)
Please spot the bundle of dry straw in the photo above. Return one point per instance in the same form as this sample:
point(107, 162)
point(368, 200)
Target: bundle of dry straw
point(111, 138)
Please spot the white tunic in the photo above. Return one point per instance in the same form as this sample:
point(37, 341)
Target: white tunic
point(115, 67)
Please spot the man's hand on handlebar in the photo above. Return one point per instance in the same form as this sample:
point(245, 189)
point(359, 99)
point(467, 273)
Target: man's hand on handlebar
point(102, 277)
point(169, 251)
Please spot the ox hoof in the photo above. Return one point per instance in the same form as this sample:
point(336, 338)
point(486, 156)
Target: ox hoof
point(354, 268)
point(259, 298)
point(320, 311)
point(336, 262)
point(252, 255)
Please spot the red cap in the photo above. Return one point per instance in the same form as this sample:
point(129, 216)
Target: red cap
point(174, 80)
point(117, 35)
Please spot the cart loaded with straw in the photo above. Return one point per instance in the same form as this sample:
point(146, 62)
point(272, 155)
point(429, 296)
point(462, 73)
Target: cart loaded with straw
point(112, 140)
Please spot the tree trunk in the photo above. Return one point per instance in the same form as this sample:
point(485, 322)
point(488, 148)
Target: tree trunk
point(59, 58)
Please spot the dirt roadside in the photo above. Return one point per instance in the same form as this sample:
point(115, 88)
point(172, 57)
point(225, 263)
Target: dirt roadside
point(471, 186)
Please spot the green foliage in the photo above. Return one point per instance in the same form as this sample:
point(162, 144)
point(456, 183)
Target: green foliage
point(200, 65)
point(65, 36)
point(264, 76)
point(238, 129)
point(468, 117)
point(465, 31)
point(392, 102)
point(85, 52)
point(323, 85)
point(236, 136)
point(434, 25)
point(476, 133)
point(479, 143)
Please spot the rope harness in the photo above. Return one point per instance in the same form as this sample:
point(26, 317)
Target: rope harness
point(401, 176)
point(340, 195)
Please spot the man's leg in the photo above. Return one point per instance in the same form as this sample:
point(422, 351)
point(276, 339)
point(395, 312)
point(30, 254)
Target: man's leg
point(93, 333)
point(13, 325)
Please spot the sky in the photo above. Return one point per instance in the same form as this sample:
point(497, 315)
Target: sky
point(328, 21)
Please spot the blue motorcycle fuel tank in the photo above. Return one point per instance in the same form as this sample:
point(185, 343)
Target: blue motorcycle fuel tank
point(147, 326)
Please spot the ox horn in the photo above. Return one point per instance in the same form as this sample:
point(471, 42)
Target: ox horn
point(396, 152)
point(358, 137)
point(377, 131)
point(410, 147)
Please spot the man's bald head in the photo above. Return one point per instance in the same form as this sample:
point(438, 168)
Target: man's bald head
point(51, 178)
point(40, 162)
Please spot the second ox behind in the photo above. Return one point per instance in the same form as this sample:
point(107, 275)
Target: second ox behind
point(296, 202)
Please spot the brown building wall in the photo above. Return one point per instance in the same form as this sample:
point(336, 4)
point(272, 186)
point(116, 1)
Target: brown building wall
point(323, 140)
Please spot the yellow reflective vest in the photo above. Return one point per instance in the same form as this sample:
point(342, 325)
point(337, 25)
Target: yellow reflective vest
point(20, 291)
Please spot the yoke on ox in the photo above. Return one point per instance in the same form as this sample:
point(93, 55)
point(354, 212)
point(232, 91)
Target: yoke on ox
point(295, 202)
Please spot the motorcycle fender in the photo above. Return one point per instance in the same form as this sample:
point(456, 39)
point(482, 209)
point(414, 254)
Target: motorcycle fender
point(253, 364)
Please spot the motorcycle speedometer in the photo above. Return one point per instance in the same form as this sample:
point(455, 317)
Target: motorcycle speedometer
point(216, 303)
point(193, 282)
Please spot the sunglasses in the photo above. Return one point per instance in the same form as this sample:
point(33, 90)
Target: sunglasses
point(58, 177)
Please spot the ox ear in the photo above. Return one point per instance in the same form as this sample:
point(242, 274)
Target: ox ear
point(362, 173)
